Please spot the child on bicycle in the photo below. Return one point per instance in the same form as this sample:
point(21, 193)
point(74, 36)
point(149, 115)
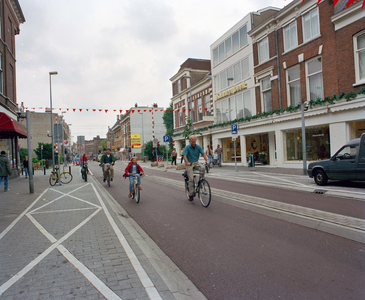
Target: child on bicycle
point(130, 170)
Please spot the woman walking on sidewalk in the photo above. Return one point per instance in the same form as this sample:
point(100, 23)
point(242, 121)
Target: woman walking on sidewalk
point(5, 170)
point(25, 165)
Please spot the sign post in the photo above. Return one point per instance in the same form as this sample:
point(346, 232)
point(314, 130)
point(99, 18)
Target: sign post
point(166, 139)
point(234, 131)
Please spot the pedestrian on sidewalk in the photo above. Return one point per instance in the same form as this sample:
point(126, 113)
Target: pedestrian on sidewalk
point(219, 152)
point(182, 157)
point(25, 165)
point(173, 156)
point(209, 153)
point(5, 170)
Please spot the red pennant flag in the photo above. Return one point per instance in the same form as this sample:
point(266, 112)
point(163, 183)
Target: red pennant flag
point(145, 110)
point(80, 109)
point(87, 109)
point(114, 110)
point(120, 111)
point(138, 110)
point(318, 1)
point(150, 110)
point(126, 111)
point(67, 109)
point(172, 110)
point(189, 109)
point(74, 109)
point(100, 109)
point(349, 3)
point(26, 108)
point(184, 109)
point(106, 110)
point(60, 108)
point(40, 107)
point(94, 109)
point(132, 111)
point(178, 110)
point(155, 109)
point(53, 108)
point(33, 108)
point(363, 4)
point(206, 109)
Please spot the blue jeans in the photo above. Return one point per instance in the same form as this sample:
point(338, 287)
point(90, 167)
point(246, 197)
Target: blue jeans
point(6, 182)
point(210, 160)
point(131, 178)
point(26, 172)
point(219, 159)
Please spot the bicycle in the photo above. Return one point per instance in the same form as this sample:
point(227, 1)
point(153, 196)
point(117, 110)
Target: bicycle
point(108, 173)
point(84, 171)
point(201, 187)
point(64, 177)
point(136, 193)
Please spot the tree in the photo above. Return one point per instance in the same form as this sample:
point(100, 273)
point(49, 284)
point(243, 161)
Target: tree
point(188, 129)
point(46, 152)
point(103, 145)
point(22, 153)
point(168, 120)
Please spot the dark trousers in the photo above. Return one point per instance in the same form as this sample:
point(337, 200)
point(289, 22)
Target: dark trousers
point(173, 160)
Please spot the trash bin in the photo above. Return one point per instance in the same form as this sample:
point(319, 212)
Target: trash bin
point(251, 161)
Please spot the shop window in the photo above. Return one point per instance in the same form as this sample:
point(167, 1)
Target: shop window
point(293, 80)
point(317, 144)
point(314, 78)
point(207, 105)
point(359, 48)
point(263, 50)
point(266, 100)
point(311, 24)
point(290, 36)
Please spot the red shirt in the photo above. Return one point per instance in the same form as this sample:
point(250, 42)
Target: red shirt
point(83, 159)
point(129, 167)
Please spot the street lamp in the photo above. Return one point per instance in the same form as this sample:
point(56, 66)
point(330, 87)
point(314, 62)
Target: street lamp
point(50, 97)
point(63, 139)
point(142, 137)
point(191, 99)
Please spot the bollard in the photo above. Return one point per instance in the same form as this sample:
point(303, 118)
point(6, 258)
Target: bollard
point(33, 170)
point(44, 170)
point(69, 169)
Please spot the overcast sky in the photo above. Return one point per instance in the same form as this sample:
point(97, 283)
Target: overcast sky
point(111, 54)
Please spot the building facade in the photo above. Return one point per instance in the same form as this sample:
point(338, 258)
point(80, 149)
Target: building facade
point(192, 99)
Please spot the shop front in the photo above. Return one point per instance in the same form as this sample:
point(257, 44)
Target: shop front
point(258, 145)
point(228, 150)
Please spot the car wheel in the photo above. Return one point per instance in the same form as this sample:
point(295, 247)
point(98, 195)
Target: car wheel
point(320, 177)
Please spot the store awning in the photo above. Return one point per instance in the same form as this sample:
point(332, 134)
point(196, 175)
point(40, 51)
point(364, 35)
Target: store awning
point(10, 128)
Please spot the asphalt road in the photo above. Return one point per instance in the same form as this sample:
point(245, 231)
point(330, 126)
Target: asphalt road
point(232, 253)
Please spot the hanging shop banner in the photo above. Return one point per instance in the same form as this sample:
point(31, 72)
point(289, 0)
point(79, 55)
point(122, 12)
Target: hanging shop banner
point(136, 140)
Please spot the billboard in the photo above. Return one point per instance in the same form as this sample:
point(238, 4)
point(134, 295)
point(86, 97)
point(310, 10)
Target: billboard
point(136, 140)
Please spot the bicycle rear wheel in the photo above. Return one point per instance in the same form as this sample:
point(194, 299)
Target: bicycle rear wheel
point(108, 178)
point(137, 193)
point(52, 179)
point(204, 192)
point(85, 176)
point(66, 177)
point(187, 189)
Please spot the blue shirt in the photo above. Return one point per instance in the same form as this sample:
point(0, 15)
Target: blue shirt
point(192, 153)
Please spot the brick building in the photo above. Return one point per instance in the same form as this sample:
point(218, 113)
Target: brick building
point(193, 76)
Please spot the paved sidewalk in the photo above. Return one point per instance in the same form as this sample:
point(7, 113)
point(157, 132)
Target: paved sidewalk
point(75, 242)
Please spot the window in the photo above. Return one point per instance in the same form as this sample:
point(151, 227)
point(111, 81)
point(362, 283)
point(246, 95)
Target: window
point(263, 48)
point(311, 24)
point(266, 95)
point(215, 56)
point(243, 36)
point(218, 110)
point(223, 80)
point(228, 46)
point(245, 69)
point(178, 86)
point(225, 111)
point(221, 52)
point(247, 103)
point(191, 111)
point(239, 106)
point(359, 48)
point(216, 84)
point(294, 86)
point(232, 108)
point(181, 116)
point(237, 73)
point(290, 36)
point(314, 78)
point(235, 42)
point(230, 78)
point(207, 105)
point(199, 109)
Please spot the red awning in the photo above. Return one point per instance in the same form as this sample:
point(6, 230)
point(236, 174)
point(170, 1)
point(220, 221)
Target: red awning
point(10, 128)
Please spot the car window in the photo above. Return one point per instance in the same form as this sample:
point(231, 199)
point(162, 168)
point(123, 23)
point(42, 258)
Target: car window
point(348, 152)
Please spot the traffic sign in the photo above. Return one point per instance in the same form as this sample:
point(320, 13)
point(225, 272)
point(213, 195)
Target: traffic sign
point(166, 138)
point(234, 128)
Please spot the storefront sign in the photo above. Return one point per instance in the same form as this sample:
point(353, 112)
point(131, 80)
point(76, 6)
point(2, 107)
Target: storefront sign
point(135, 140)
point(208, 118)
point(231, 91)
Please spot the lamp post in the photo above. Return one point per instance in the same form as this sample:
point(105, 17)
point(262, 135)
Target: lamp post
point(50, 97)
point(191, 100)
point(304, 107)
point(63, 140)
point(142, 137)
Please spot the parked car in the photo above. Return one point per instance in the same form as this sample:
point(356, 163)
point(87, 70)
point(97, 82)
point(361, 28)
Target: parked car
point(347, 164)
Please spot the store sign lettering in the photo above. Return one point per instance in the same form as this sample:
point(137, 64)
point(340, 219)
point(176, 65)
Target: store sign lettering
point(231, 91)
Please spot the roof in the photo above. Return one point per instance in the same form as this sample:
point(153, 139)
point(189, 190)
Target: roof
point(10, 128)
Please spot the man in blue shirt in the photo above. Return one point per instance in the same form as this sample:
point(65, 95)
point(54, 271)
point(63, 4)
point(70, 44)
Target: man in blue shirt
point(191, 155)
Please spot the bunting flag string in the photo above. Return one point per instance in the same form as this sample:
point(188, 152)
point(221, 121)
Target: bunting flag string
point(347, 5)
point(106, 110)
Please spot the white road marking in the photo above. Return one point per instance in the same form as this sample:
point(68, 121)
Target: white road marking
point(144, 278)
point(61, 210)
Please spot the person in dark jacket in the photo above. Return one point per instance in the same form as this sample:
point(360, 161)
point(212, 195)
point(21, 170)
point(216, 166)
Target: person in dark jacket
point(130, 170)
point(26, 166)
point(108, 159)
point(5, 170)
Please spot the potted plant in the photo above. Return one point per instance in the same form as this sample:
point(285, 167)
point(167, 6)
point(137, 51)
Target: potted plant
point(262, 157)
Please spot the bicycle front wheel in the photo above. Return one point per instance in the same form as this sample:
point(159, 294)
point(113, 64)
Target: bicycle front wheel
point(187, 190)
point(137, 193)
point(66, 177)
point(204, 192)
point(108, 179)
point(53, 178)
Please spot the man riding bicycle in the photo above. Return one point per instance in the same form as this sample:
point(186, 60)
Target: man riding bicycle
point(191, 157)
point(108, 159)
